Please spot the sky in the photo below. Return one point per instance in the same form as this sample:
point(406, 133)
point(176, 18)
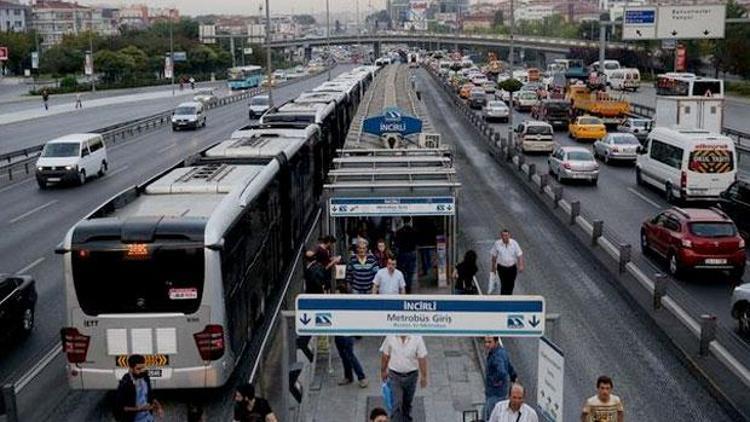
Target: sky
point(245, 7)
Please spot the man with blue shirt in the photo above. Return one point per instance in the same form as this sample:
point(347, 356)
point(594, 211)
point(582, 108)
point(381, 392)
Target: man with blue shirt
point(134, 400)
point(500, 373)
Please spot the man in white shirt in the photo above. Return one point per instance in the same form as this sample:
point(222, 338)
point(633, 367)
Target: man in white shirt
point(507, 260)
point(514, 409)
point(389, 280)
point(403, 360)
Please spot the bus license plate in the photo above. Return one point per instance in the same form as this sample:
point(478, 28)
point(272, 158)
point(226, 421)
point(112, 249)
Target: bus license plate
point(154, 373)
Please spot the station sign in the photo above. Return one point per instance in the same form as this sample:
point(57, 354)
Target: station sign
point(392, 206)
point(427, 315)
point(674, 22)
point(550, 377)
point(393, 120)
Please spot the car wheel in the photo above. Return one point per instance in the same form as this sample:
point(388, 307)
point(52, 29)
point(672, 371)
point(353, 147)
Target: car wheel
point(744, 320)
point(638, 177)
point(673, 265)
point(669, 193)
point(102, 169)
point(645, 247)
point(82, 177)
point(27, 321)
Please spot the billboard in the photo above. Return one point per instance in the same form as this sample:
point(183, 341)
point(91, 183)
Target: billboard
point(418, 15)
point(3, 54)
point(674, 22)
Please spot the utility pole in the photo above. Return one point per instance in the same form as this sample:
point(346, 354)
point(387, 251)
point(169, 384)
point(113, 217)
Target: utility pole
point(603, 21)
point(171, 50)
point(269, 65)
point(510, 68)
point(328, 39)
point(91, 51)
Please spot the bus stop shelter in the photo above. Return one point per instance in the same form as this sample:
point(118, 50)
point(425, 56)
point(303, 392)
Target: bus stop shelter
point(377, 188)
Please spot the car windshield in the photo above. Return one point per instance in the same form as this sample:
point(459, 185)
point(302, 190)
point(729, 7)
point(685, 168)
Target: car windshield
point(589, 121)
point(528, 95)
point(496, 104)
point(184, 110)
point(61, 149)
point(625, 140)
point(640, 123)
point(709, 229)
point(539, 130)
point(580, 156)
point(259, 101)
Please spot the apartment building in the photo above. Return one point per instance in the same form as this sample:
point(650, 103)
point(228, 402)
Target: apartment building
point(53, 19)
point(14, 17)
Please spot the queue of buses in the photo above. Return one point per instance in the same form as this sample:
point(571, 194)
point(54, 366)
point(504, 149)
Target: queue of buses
point(184, 267)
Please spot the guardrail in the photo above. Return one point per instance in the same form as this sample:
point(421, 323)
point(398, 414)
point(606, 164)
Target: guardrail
point(682, 324)
point(741, 139)
point(20, 163)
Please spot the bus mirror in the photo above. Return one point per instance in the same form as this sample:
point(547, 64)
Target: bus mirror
point(218, 246)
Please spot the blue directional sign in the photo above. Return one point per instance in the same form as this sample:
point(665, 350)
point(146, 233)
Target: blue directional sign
point(393, 120)
point(428, 315)
point(639, 16)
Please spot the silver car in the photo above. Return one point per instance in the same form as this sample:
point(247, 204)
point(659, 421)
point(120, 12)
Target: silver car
point(573, 163)
point(741, 307)
point(638, 127)
point(496, 110)
point(205, 96)
point(617, 146)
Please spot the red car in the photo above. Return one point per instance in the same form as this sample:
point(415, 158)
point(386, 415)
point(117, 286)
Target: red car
point(692, 238)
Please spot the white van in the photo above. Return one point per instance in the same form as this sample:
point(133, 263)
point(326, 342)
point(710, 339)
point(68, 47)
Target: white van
point(626, 79)
point(609, 67)
point(191, 115)
point(687, 164)
point(72, 158)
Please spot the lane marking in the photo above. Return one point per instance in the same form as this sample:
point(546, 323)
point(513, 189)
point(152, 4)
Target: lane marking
point(32, 211)
point(166, 148)
point(645, 198)
point(116, 171)
point(30, 266)
point(15, 184)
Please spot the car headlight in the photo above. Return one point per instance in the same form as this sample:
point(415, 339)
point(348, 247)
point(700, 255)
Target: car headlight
point(69, 167)
point(40, 168)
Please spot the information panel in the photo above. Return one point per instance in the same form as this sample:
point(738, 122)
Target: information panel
point(394, 206)
point(428, 315)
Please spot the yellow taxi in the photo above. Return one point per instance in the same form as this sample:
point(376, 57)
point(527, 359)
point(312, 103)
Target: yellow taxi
point(587, 128)
point(465, 91)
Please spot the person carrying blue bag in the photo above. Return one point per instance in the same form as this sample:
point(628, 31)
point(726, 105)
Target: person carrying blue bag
point(403, 361)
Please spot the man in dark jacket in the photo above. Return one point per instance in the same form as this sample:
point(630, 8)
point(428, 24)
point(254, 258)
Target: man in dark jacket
point(134, 400)
point(317, 278)
point(500, 374)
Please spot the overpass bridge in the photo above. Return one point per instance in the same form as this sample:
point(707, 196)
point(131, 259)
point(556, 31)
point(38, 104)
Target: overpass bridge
point(438, 40)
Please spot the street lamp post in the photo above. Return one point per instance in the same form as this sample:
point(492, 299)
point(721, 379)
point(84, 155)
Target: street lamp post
point(268, 54)
point(91, 51)
point(510, 69)
point(171, 50)
point(328, 38)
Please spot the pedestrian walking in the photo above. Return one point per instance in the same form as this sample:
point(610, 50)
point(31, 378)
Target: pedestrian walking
point(317, 280)
point(508, 261)
point(324, 254)
point(378, 414)
point(192, 82)
point(78, 100)
point(45, 98)
point(248, 408)
point(389, 280)
point(604, 406)
point(406, 244)
point(514, 409)
point(361, 270)
point(345, 347)
point(382, 253)
point(500, 373)
point(403, 360)
point(464, 275)
point(134, 399)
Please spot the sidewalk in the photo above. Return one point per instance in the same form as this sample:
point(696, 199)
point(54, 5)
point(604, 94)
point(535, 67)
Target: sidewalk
point(455, 382)
point(67, 107)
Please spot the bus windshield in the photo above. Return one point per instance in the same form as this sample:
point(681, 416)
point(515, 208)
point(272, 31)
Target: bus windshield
point(143, 278)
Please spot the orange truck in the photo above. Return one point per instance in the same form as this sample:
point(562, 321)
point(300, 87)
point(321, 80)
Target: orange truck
point(598, 103)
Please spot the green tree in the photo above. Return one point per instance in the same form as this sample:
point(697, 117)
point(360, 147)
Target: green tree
point(203, 58)
point(20, 45)
point(138, 56)
point(60, 60)
point(114, 65)
point(510, 85)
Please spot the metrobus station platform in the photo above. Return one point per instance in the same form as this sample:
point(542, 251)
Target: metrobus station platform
point(455, 381)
